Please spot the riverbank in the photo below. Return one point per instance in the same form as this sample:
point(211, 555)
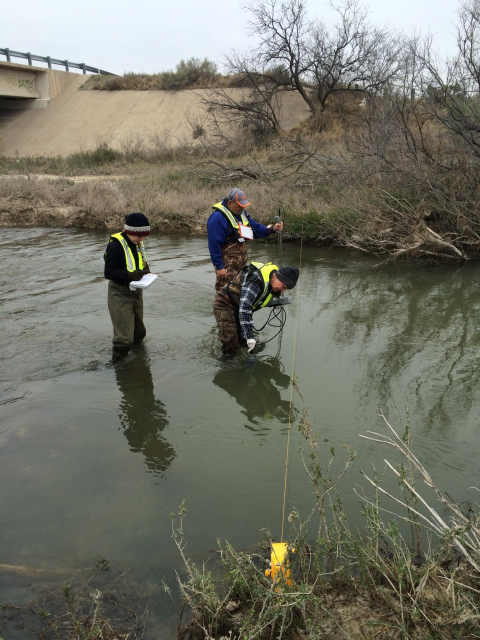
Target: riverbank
point(376, 582)
point(174, 196)
point(177, 187)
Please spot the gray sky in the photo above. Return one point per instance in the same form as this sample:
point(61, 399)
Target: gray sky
point(143, 35)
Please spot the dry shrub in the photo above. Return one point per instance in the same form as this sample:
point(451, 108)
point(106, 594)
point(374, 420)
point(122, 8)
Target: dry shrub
point(189, 74)
point(347, 104)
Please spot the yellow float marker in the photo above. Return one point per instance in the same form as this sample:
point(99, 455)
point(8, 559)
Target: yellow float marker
point(280, 564)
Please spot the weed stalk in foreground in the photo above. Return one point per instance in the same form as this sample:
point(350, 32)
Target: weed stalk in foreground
point(407, 591)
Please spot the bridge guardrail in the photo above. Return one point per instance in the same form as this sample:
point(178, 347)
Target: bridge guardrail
point(62, 63)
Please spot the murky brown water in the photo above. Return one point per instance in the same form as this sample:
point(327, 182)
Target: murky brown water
point(93, 459)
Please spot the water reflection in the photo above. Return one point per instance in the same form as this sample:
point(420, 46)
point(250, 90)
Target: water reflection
point(142, 416)
point(414, 329)
point(256, 388)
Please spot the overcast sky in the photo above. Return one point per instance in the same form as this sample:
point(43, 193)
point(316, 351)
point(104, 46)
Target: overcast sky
point(148, 35)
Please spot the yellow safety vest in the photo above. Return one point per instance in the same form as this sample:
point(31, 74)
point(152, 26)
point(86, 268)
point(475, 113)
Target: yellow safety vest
point(231, 218)
point(129, 258)
point(266, 271)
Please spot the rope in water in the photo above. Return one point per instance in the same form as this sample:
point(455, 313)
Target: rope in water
point(292, 379)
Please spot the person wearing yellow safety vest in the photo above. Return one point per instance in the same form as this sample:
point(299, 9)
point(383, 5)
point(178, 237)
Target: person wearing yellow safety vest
point(229, 228)
point(125, 262)
point(251, 289)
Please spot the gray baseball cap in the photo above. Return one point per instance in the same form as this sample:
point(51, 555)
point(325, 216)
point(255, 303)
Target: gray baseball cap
point(237, 195)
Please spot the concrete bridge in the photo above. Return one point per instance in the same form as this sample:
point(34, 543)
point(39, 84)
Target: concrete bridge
point(23, 87)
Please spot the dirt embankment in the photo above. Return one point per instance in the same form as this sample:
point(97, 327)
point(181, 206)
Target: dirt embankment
point(177, 202)
point(102, 202)
point(48, 200)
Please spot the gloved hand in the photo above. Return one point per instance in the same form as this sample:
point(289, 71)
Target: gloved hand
point(146, 270)
point(136, 275)
point(251, 342)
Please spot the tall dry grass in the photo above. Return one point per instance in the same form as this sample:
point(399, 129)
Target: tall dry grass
point(180, 206)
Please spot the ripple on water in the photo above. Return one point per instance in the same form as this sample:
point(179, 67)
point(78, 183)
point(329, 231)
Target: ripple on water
point(95, 458)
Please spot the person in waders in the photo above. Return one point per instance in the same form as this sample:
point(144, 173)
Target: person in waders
point(126, 262)
point(228, 228)
point(251, 289)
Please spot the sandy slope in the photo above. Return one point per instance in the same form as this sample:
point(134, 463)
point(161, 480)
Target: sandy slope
point(78, 120)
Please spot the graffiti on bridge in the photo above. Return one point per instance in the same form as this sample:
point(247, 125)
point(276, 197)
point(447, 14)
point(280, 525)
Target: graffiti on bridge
point(22, 83)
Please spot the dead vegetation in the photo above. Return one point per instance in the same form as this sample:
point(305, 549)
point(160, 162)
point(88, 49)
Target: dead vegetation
point(189, 74)
point(102, 603)
point(349, 584)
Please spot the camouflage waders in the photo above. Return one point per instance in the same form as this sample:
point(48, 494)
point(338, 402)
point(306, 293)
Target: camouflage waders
point(126, 313)
point(225, 308)
point(234, 256)
point(228, 331)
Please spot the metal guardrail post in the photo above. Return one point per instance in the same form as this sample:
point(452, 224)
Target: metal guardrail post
point(53, 61)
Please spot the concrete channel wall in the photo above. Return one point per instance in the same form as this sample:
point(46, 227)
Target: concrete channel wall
point(78, 120)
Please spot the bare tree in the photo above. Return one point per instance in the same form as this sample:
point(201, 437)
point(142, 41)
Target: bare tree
point(352, 55)
point(451, 92)
point(423, 139)
point(285, 39)
point(298, 54)
point(468, 42)
point(257, 107)
point(440, 123)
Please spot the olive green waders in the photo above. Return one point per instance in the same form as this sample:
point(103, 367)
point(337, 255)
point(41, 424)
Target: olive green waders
point(126, 312)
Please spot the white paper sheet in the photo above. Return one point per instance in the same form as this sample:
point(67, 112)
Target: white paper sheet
point(246, 232)
point(145, 282)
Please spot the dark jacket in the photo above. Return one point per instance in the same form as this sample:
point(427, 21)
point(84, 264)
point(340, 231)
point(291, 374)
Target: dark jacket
point(115, 263)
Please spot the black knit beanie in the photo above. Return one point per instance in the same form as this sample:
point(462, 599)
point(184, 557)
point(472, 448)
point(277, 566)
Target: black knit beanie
point(136, 224)
point(288, 275)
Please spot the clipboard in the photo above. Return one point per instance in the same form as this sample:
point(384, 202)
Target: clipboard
point(245, 232)
point(145, 282)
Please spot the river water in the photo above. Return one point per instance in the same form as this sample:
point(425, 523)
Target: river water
point(93, 459)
